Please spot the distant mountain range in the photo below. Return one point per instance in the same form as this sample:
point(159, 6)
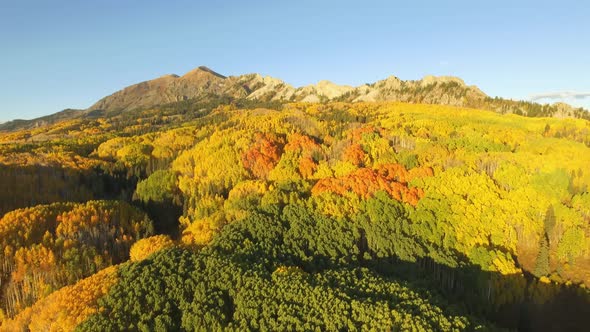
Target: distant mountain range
point(203, 83)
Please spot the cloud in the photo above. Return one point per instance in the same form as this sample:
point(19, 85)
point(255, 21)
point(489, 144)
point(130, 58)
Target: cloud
point(560, 95)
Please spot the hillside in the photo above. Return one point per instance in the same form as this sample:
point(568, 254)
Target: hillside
point(42, 121)
point(203, 85)
point(232, 213)
point(202, 82)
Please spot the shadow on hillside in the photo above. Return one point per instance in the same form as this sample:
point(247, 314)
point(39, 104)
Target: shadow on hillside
point(26, 186)
point(165, 216)
point(518, 302)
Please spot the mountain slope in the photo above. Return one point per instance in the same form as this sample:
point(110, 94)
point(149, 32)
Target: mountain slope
point(163, 90)
point(67, 114)
point(203, 84)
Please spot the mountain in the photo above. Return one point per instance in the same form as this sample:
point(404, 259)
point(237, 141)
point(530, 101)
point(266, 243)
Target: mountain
point(66, 114)
point(202, 81)
point(222, 207)
point(203, 84)
point(166, 89)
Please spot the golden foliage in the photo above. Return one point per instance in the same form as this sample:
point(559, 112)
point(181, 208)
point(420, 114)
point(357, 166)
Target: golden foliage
point(143, 248)
point(64, 309)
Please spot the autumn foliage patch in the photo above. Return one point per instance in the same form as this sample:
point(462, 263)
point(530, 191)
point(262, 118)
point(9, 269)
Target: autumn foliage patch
point(391, 178)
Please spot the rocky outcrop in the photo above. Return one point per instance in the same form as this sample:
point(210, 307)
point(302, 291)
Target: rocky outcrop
point(202, 82)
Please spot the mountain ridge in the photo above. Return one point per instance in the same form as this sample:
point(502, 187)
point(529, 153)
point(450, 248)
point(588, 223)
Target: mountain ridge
point(201, 80)
point(203, 83)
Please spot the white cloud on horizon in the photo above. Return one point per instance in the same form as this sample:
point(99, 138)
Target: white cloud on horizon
point(560, 95)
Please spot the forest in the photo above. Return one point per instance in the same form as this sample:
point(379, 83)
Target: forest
point(241, 215)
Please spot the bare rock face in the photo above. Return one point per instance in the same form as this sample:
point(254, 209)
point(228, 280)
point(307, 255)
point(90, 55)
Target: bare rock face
point(392, 83)
point(331, 90)
point(430, 80)
point(563, 110)
point(202, 82)
point(166, 89)
point(445, 90)
point(267, 88)
point(137, 95)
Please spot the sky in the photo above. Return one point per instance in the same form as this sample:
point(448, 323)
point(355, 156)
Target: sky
point(68, 54)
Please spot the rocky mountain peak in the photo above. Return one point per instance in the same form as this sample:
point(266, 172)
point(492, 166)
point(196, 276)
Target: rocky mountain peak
point(169, 76)
point(331, 90)
point(202, 72)
point(429, 80)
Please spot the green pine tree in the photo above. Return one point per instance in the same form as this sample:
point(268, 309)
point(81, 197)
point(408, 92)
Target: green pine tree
point(542, 265)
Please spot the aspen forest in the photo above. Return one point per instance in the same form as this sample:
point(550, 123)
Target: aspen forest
point(234, 214)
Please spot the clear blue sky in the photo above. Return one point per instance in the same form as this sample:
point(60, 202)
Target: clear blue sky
point(61, 54)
